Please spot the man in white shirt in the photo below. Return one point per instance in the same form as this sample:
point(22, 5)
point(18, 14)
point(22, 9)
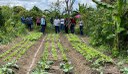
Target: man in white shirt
point(57, 24)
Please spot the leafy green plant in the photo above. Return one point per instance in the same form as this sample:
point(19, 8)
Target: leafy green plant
point(8, 68)
point(62, 51)
point(96, 58)
point(66, 67)
point(33, 36)
point(124, 70)
point(8, 51)
point(16, 51)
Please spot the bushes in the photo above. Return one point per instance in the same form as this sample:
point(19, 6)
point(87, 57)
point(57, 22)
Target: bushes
point(106, 25)
point(11, 30)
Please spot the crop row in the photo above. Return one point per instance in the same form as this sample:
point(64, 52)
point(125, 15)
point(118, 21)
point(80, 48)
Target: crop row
point(16, 52)
point(62, 51)
point(97, 58)
point(20, 48)
point(10, 50)
point(44, 65)
point(43, 62)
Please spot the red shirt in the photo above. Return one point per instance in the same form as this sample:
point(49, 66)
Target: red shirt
point(73, 21)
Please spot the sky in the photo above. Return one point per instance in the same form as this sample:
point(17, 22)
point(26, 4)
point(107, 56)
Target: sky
point(42, 4)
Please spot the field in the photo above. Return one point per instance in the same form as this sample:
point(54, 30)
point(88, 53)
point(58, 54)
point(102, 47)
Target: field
point(55, 54)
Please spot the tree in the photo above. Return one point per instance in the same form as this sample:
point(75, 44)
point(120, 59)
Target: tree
point(118, 11)
point(69, 5)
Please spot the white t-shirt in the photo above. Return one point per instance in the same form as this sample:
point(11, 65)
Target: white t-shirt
point(57, 22)
point(81, 23)
point(62, 21)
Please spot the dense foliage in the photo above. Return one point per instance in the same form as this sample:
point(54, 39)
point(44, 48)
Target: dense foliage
point(107, 25)
point(10, 21)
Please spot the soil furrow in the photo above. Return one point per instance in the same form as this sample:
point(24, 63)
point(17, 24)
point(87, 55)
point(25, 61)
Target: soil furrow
point(79, 62)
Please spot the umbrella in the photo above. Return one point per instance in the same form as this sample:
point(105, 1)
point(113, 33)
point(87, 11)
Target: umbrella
point(78, 16)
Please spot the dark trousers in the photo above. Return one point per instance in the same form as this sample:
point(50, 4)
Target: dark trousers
point(57, 29)
point(72, 28)
point(66, 29)
point(81, 30)
point(38, 24)
point(43, 28)
point(30, 27)
point(62, 27)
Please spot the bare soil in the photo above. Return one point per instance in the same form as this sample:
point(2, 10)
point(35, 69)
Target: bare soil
point(81, 66)
point(25, 61)
point(79, 62)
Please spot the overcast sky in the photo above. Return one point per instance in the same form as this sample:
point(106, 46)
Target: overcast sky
point(42, 4)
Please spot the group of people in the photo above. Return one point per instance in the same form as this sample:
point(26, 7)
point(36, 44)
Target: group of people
point(41, 21)
point(28, 21)
point(66, 24)
point(60, 24)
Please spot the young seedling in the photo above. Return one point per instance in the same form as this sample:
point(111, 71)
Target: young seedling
point(66, 67)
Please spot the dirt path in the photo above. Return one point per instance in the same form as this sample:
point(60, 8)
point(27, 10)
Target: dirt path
point(26, 60)
point(80, 64)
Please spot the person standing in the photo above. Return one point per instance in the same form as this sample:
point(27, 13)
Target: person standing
point(62, 24)
point(57, 24)
point(67, 23)
point(43, 24)
point(22, 20)
point(81, 27)
point(29, 23)
point(72, 27)
point(38, 21)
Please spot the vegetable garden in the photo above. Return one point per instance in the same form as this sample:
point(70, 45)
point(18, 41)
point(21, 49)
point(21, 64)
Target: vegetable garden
point(101, 50)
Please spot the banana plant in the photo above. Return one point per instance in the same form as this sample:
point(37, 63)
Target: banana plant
point(117, 11)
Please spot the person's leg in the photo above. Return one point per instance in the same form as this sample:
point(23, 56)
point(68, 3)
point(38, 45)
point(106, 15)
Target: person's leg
point(81, 30)
point(30, 27)
point(61, 27)
point(55, 29)
point(41, 28)
point(67, 29)
point(44, 28)
point(58, 29)
point(73, 28)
